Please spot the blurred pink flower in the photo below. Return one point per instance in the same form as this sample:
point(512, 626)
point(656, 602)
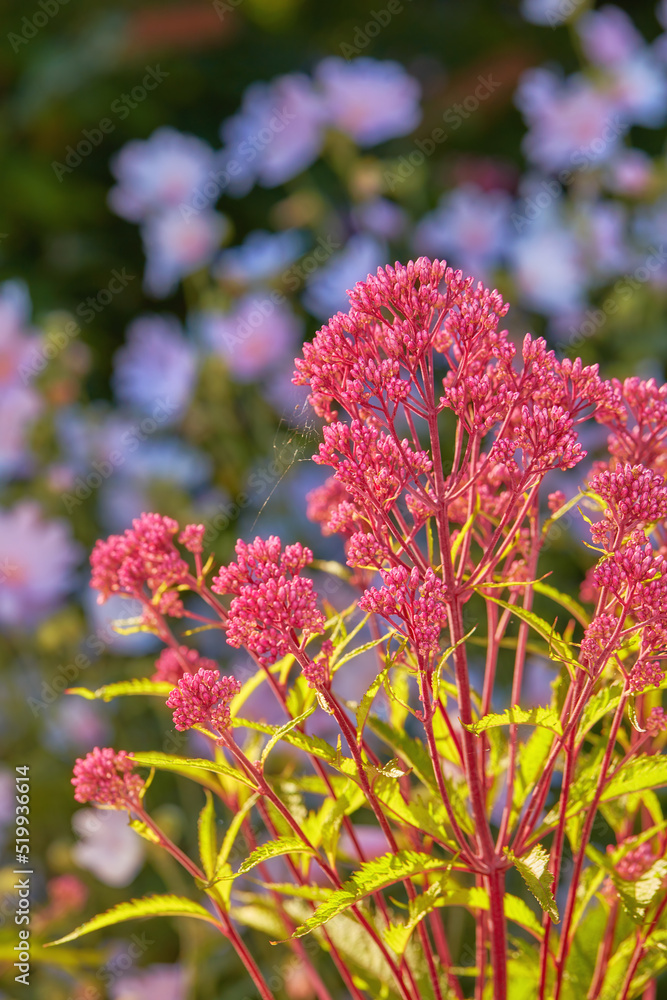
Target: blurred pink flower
point(368, 99)
point(254, 337)
point(168, 982)
point(108, 846)
point(178, 243)
point(159, 173)
point(37, 562)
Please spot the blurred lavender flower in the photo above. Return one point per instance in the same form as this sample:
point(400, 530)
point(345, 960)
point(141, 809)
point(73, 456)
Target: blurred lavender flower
point(369, 100)
point(326, 287)
point(101, 618)
point(603, 227)
point(178, 243)
point(159, 173)
point(37, 563)
point(168, 982)
point(261, 257)
point(109, 847)
point(547, 12)
point(75, 724)
point(157, 362)
point(17, 341)
point(254, 337)
point(608, 36)
point(630, 172)
point(19, 407)
point(572, 123)
point(470, 226)
point(277, 133)
point(381, 217)
point(547, 266)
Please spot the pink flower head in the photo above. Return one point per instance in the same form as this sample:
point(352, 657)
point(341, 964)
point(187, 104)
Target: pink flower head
point(634, 494)
point(143, 557)
point(272, 601)
point(656, 722)
point(636, 862)
point(105, 777)
point(318, 671)
point(203, 697)
point(419, 604)
point(645, 675)
point(192, 538)
point(171, 664)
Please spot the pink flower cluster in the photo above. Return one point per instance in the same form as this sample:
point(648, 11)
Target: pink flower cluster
point(201, 698)
point(140, 563)
point(105, 776)
point(171, 664)
point(421, 618)
point(272, 602)
point(634, 495)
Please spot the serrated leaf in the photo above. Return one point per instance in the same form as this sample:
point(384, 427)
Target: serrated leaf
point(272, 849)
point(577, 610)
point(638, 895)
point(232, 831)
point(534, 870)
point(144, 831)
point(600, 704)
point(364, 708)
point(136, 686)
point(148, 906)
point(411, 750)
point(532, 757)
point(398, 935)
point(207, 836)
point(190, 767)
point(544, 717)
point(283, 730)
point(559, 648)
point(371, 877)
point(647, 771)
point(332, 817)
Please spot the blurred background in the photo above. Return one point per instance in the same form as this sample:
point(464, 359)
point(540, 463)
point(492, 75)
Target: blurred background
point(188, 190)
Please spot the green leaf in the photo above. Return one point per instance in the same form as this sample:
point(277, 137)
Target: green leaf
point(283, 730)
point(371, 877)
point(207, 835)
point(191, 767)
point(364, 708)
point(332, 814)
point(149, 906)
point(600, 704)
point(411, 750)
point(546, 718)
point(398, 935)
point(647, 771)
point(577, 610)
point(138, 685)
point(532, 757)
point(533, 868)
point(144, 831)
point(518, 910)
point(559, 649)
point(637, 896)
point(273, 849)
point(232, 831)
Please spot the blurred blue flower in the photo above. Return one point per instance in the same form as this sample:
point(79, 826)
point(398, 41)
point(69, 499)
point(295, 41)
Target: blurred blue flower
point(608, 36)
point(254, 337)
point(381, 217)
point(277, 133)
point(19, 408)
point(368, 99)
point(326, 287)
point(261, 257)
point(177, 243)
point(159, 173)
point(38, 558)
point(156, 362)
point(470, 228)
point(548, 266)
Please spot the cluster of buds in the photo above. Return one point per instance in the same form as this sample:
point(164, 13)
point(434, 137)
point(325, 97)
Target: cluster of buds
point(105, 777)
point(203, 698)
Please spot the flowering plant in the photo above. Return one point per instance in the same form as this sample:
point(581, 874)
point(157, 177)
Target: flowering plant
point(443, 440)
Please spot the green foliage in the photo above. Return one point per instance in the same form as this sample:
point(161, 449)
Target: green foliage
point(149, 906)
point(533, 868)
